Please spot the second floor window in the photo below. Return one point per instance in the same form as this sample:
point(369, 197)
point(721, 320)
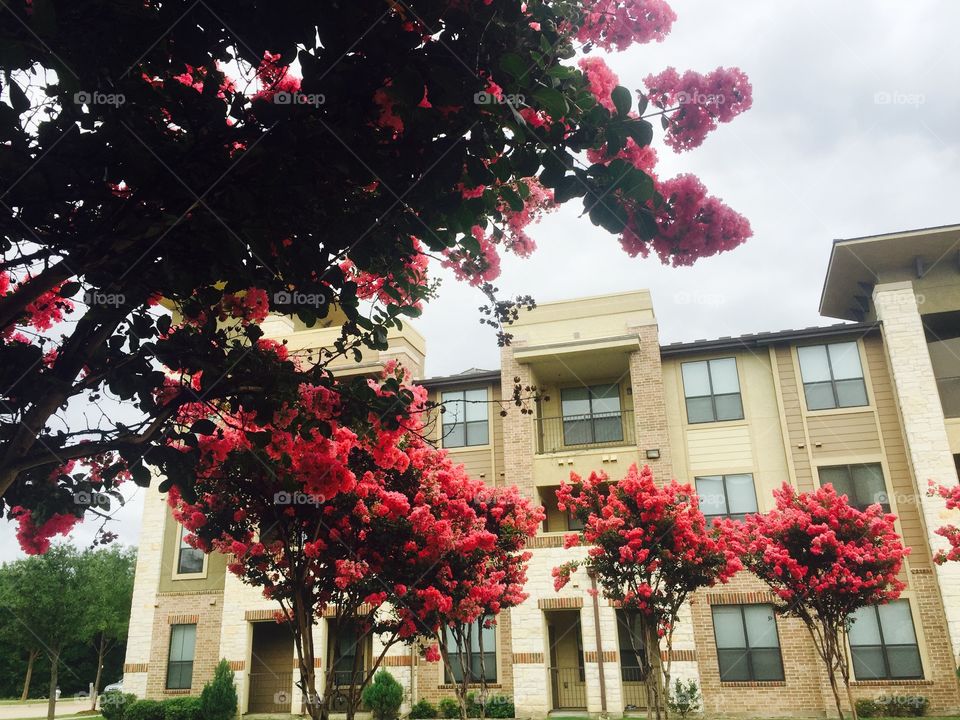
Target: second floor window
point(883, 645)
point(712, 390)
point(183, 641)
point(748, 647)
point(465, 418)
point(731, 496)
point(862, 484)
point(591, 414)
point(832, 376)
point(189, 559)
point(479, 646)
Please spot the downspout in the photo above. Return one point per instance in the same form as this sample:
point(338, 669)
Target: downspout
point(596, 629)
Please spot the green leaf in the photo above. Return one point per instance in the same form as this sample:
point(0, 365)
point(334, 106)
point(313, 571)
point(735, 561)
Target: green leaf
point(607, 214)
point(514, 64)
point(203, 426)
point(18, 98)
point(570, 187)
point(641, 131)
point(69, 289)
point(512, 198)
point(621, 100)
point(553, 101)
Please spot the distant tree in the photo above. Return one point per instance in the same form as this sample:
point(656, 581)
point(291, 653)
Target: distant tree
point(46, 596)
point(107, 580)
point(12, 635)
point(824, 560)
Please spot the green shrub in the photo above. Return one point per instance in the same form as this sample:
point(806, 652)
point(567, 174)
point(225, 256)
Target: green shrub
point(383, 696)
point(113, 704)
point(449, 708)
point(218, 701)
point(500, 706)
point(684, 698)
point(473, 707)
point(182, 708)
point(867, 708)
point(144, 710)
point(423, 710)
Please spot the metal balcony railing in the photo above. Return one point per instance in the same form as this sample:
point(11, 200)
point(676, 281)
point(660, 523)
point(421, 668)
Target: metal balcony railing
point(569, 688)
point(270, 692)
point(634, 688)
point(949, 388)
point(577, 432)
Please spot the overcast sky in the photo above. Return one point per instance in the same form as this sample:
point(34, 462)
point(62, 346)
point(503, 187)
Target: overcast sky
point(853, 131)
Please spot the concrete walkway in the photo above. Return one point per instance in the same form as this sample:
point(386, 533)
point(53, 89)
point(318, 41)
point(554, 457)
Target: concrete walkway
point(65, 707)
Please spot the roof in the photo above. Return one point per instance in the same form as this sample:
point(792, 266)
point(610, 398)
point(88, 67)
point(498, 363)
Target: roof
point(467, 377)
point(764, 339)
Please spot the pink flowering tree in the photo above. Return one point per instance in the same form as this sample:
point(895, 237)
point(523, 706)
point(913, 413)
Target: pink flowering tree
point(824, 560)
point(649, 548)
point(951, 495)
point(359, 520)
point(324, 153)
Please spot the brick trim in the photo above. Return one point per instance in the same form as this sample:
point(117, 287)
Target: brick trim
point(560, 603)
point(237, 665)
point(680, 655)
point(886, 683)
point(316, 663)
point(740, 598)
point(364, 609)
point(545, 541)
point(590, 656)
point(177, 692)
point(136, 668)
point(397, 661)
point(921, 571)
point(180, 593)
point(532, 658)
point(451, 686)
point(258, 615)
point(755, 683)
point(183, 619)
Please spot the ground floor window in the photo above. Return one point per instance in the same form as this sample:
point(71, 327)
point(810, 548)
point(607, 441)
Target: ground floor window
point(630, 640)
point(476, 650)
point(346, 653)
point(883, 644)
point(748, 647)
point(183, 641)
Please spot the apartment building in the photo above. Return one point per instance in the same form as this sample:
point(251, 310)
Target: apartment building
point(871, 404)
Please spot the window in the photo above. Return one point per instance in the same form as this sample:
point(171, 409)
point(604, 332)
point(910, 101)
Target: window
point(832, 376)
point(630, 625)
point(712, 390)
point(883, 644)
point(482, 639)
point(591, 414)
point(189, 559)
point(731, 496)
point(465, 418)
point(345, 646)
point(862, 484)
point(748, 647)
point(183, 640)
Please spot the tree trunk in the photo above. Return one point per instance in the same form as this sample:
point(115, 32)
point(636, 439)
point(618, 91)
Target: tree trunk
point(33, 655)
point(52, 698)
point(101, 653)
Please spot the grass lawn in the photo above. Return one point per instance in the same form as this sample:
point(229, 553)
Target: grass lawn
point(28, 702)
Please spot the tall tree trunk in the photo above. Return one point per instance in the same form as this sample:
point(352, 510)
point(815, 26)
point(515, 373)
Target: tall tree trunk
point(33, 655)
point(54, 668)
point(101, 654)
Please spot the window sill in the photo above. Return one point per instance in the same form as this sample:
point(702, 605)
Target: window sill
point(580, 449)
point(184, 691)
point(883, 683)
point(718, 423)
point(753, 683)
point(477, 686)
point(839, 411)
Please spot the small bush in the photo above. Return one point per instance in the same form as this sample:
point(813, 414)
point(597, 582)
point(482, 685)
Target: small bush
point(867, 708)
point(893, 706)
point(144, 710)
point(182, 708)
point(500, 706)
point(684, 698)
point(218, 701)
point(113, 704)
point(383, 696)
point(423, 710)
point(473, 707)
point(449, 708)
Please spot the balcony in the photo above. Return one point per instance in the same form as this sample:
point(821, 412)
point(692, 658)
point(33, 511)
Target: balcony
point(949, 388)
point(583, 432)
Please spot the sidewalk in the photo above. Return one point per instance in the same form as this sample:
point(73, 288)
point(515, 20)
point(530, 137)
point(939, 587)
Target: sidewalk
point(65, 707)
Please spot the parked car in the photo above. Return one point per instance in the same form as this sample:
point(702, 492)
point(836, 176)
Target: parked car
point(117, 686)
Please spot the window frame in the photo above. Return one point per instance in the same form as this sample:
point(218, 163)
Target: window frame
point(726, 496)
point(334, 636)
point(884, 647)
point(622, 628)
point(180, 663)
point(848, 467)
point(592, 417)
point(833, 379)
point(446, 427)
point(448, 672)
point(180, 547)
point(713, 395)
point(747, 650)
